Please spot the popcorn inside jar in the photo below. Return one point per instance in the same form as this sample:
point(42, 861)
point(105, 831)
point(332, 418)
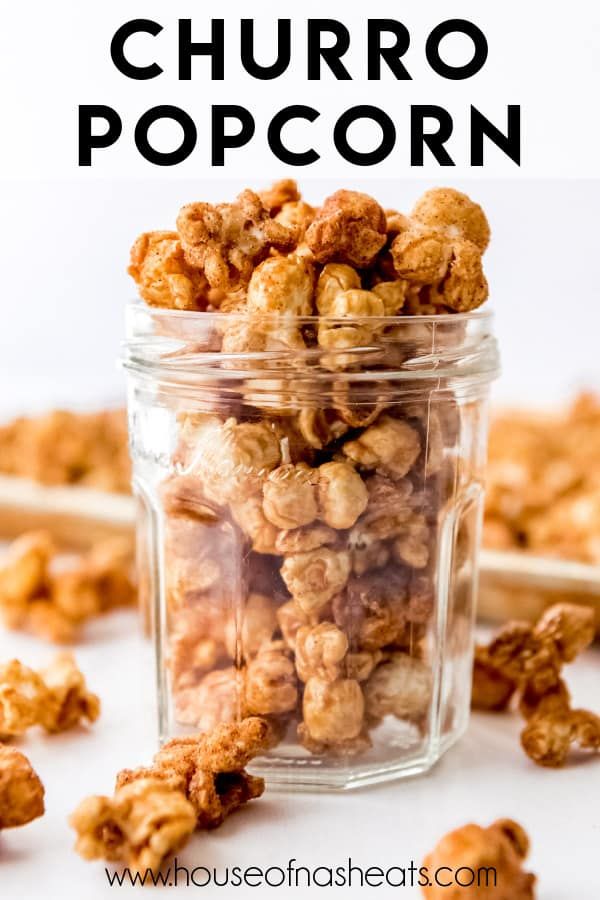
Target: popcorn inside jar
point(307, 405)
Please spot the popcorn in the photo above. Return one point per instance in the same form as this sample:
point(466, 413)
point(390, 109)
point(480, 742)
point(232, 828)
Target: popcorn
point(335, 279)
point(234, 458)
point(320, 651)
point(401, 686)
point(315, 577)
point(21, 791)
point(270, 684)
point(527, 660)
point(143, 824)
point(164, 278)
point(279, 194)
point(464, 287)
point(281, 284)
point(342, 494)
point(391, 445)
point(350, 227)
point(421, 255)
point(543, 493)
point(51, 597)
point(56, 697)
point(226, 241)
point(333, 714)
point(454, 214)
point(289, 496)
point(300, 530)
point(502, 847)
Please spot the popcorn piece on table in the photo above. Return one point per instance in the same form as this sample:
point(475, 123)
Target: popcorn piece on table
point(56, 697)
point(527, 660)
point(21, 791)
point(502, 846)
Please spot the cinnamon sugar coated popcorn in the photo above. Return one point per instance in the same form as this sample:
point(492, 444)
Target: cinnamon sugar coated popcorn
point(498, 852)
point(193, 782)
point(64, 447)
point(51, 594)
point(543, 493)
point(308, 464)
point(55, 697)
point(21, 791)
point(524, 662)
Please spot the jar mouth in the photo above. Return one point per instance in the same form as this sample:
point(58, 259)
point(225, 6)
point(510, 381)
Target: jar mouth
point(183, 349)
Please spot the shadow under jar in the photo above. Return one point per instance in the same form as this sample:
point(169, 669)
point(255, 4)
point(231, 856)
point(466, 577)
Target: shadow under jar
point(310, 521)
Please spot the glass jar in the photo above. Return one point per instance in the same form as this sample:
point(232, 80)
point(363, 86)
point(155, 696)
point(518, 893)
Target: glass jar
point(309, 527)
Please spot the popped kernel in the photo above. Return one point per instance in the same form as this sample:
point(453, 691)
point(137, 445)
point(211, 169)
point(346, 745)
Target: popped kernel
point(401, 686)
point(278, 194)
point(271, 687)
point(464, 287)
point(55, 697)
point(281, 284)
point(315, 577)
point(290, 497)
point(291, 618)
point(233, 459)
point(342, 494)
point(503, 847)
point(335, 278)
point(319, 427)
point(393, 295)
point(549, 736)
point(455, 214)
point(226, 241)
point(144, 823)
point(164, 278)
point(421, 255)
point(333, 710)
point(301, 540)
point(412, 545)
point(350, 227)
point(297, 216)
point(250, 517)
point(389, 444)
point(216, 699)
point(21, 791)
point(351, 305)
point(320, 651)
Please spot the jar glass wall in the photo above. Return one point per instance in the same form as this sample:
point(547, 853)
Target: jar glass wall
point(309, 520)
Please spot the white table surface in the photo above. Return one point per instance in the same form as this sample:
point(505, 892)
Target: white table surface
point(483, 778)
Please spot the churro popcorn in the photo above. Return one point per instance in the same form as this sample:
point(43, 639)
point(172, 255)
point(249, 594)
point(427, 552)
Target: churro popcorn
point(63, 447)
point(308, 459)
point(226, 241)
point(143, 824)
point(525, 662)
point(193, 783)
point(163, 277)
point(21, 791)
point(51, 594)
point(501, 848)
point(543, 493)
point(56, 697)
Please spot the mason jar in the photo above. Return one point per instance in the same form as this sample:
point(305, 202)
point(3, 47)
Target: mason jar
point(309, 523)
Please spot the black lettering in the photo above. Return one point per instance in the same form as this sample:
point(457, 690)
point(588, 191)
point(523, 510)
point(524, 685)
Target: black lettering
point(117, 49)
point(371, 157)
point(452, 26)
point(291, 157)
point(284, 50)
point(89, 141)
point(509, 143)
point(172, 157)
point(215, 48)
point(221, 141)
point(434, 140)
point(391, 55)
point(331, 55)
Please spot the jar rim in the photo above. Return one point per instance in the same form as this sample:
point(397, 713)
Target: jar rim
point(191, 315)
